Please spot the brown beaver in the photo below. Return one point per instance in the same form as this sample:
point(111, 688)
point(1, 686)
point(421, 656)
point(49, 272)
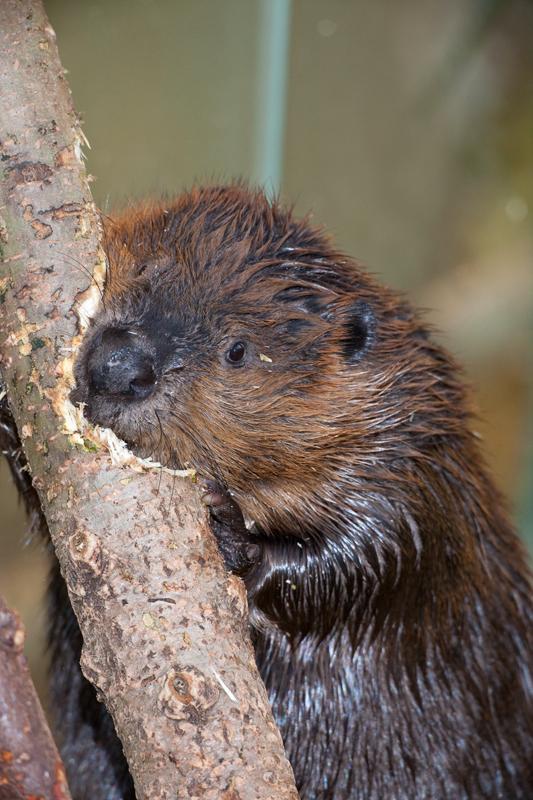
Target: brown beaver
point(390, 605)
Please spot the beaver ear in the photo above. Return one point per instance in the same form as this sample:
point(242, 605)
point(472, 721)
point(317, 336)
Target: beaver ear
point(358, 331)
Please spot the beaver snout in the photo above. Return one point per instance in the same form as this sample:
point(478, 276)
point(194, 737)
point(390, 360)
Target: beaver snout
point(122, 365)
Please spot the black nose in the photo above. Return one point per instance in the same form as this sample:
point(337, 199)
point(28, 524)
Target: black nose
point(121, 365)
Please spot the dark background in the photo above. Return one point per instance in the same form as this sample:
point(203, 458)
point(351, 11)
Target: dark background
point(407, 128)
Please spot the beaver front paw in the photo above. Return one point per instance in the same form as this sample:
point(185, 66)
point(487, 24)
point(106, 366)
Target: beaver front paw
point(239, 547)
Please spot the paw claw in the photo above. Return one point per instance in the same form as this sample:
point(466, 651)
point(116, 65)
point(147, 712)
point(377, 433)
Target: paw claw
point(211, 494)
point(209, 499)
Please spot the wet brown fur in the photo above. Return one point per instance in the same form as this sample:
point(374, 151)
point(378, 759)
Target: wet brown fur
point(391, 605)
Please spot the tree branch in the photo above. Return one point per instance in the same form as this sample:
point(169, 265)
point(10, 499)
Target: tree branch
point(164, 626)
point(30, 765)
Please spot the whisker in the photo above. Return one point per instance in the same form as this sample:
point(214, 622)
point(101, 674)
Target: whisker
point(161, 433)
point(74, 262)
point(172, 492)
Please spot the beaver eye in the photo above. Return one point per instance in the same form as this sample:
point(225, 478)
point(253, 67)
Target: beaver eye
point(235, 355)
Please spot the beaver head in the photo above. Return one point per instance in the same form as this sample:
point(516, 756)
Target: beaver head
point(237, 340)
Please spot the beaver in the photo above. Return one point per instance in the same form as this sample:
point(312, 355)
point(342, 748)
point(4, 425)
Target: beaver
point(390, 604)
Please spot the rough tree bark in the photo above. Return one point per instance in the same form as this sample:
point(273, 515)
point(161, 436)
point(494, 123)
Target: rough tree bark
point(164, 626)
point(30, 766)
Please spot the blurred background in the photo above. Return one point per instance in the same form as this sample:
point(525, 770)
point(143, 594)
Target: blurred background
point(406, 128)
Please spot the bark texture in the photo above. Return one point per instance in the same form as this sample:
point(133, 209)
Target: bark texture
point(164, 626)
point(30, 766)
